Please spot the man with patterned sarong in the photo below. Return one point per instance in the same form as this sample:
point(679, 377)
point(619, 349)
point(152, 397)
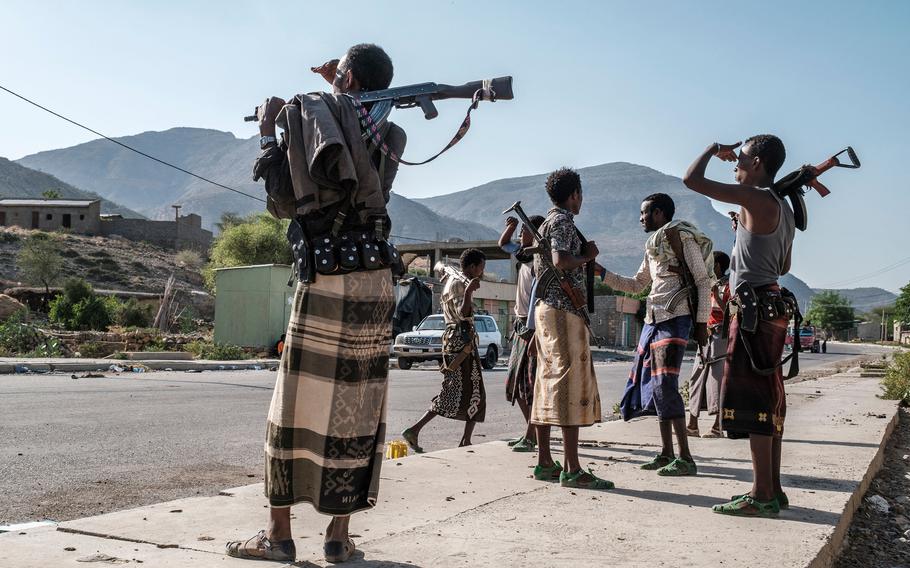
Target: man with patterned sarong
point(326, 423)
point(704, 385)
point(523, 356)
point(675, 260)
point(752, 399)
point(565, 389)
point(462, 396)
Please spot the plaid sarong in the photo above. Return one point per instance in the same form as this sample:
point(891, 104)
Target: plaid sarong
point(752, 403)
point(653, 386)
point(522, 367)
point(326, 425)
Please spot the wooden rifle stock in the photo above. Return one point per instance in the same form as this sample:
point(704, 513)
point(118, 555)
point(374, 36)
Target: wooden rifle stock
point(546, 256)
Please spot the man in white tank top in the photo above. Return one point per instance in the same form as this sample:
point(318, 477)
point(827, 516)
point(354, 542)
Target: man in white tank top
point(753, 404)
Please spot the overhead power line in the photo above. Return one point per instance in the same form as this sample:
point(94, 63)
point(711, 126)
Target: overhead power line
point(872, 274)
point(164, 162)
point(130, 148)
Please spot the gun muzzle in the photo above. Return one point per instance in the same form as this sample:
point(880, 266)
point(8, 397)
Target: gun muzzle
point(512, 208)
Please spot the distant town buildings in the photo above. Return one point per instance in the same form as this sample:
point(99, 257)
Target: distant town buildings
point(84, 216)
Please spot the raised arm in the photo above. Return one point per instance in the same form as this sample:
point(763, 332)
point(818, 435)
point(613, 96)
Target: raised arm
point(633, 285)
point(746, 196)
point(506, 236)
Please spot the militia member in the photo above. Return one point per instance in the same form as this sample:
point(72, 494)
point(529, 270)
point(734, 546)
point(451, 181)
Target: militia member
point(674, 249)
point(462, 396)
point(704, 385)
point(326, 423)
point(565, 389)
point(523, 356)
point(752, 399)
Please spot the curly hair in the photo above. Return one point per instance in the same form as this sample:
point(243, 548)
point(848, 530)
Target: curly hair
point(722, 259)
point(770, 150)
point(561, 184)
point(370, 65)
point(471, 257)
point(663, 202)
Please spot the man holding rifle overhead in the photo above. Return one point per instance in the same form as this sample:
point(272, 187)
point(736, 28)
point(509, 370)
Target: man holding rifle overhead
point(752, 399)
point(326, 423)
point(565, 390)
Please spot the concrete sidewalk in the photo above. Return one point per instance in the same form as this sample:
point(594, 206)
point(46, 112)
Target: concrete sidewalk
point(11, 365)
point(480, 507)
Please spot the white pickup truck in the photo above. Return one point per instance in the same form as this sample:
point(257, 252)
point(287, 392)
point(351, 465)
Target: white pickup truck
point(425, 342)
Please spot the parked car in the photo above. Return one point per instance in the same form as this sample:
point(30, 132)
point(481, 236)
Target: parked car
point(424, 343)
point(808, 339)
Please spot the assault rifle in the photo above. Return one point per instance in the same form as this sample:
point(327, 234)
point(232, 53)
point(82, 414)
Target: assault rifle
point(542, 248)
point(423, 94)
point(795, 184)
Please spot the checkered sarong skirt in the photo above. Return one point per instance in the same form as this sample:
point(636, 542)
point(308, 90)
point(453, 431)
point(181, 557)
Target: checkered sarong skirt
point(326, 425)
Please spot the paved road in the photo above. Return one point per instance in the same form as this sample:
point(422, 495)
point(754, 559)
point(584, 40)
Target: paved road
point(74, 448)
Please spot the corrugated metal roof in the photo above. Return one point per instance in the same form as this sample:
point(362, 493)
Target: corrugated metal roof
point(47, 202)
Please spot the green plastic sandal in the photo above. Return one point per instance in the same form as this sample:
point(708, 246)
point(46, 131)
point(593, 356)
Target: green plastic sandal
point(548, 473)
point(678, 468)
point(572, 480)
point(411, 440)
point(515, 442)
point(782, 501)
point(524, 445)
point(746, 506)
point(657, 463)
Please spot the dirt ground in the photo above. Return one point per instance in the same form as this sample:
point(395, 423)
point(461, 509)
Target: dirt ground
point(879, 539)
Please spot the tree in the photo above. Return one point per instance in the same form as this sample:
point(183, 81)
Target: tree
point(39, 262)
point(50, 194)
point(229, 219)
point(902, 305)
point(830, 311)
point(260, 239)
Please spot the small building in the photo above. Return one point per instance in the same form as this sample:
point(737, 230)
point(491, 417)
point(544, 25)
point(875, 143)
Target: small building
point(252, 304)
point(185, 232)
point(78, 215)
point(615, 318)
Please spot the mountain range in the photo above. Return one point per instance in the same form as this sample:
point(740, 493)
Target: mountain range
point(17, 181)
point(612, 195)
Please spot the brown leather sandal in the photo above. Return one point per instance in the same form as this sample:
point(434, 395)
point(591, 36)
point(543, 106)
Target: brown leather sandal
point(260, 547)
point(337, 551)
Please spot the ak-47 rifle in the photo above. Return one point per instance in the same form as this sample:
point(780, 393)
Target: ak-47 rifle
point(795, 184)
point(551, 271)
point(542, 247)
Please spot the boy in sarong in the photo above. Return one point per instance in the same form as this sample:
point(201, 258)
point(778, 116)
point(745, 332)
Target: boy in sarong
point(326, 423)
point(523, 357)
point(704, 385)
point(565, 389)
point(462, 396)
point(653, 385)
point(752, 398)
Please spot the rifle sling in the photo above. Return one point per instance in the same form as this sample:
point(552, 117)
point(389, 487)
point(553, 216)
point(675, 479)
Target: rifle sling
point(683, 269)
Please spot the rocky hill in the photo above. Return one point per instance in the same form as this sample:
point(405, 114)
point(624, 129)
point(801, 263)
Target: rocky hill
point(108, 263)
point(612, 196)
point(151, 188)
point(18, 181)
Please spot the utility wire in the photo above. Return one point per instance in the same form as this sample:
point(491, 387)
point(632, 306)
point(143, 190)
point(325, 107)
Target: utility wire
point(868, 275)
point(128, 147)
point(160, 161)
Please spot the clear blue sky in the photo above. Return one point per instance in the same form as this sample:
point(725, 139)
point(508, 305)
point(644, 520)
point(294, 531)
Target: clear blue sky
point(646, 82)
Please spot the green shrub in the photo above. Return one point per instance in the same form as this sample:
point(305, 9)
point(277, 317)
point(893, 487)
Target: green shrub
point(133, 314)
point(156, 344)
point(189, 259)
point(186, 321)
point(92, 349)
point(18, 337)
point(896, 382)
point(216, 351)
point(79, 308)
point(8, 237)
